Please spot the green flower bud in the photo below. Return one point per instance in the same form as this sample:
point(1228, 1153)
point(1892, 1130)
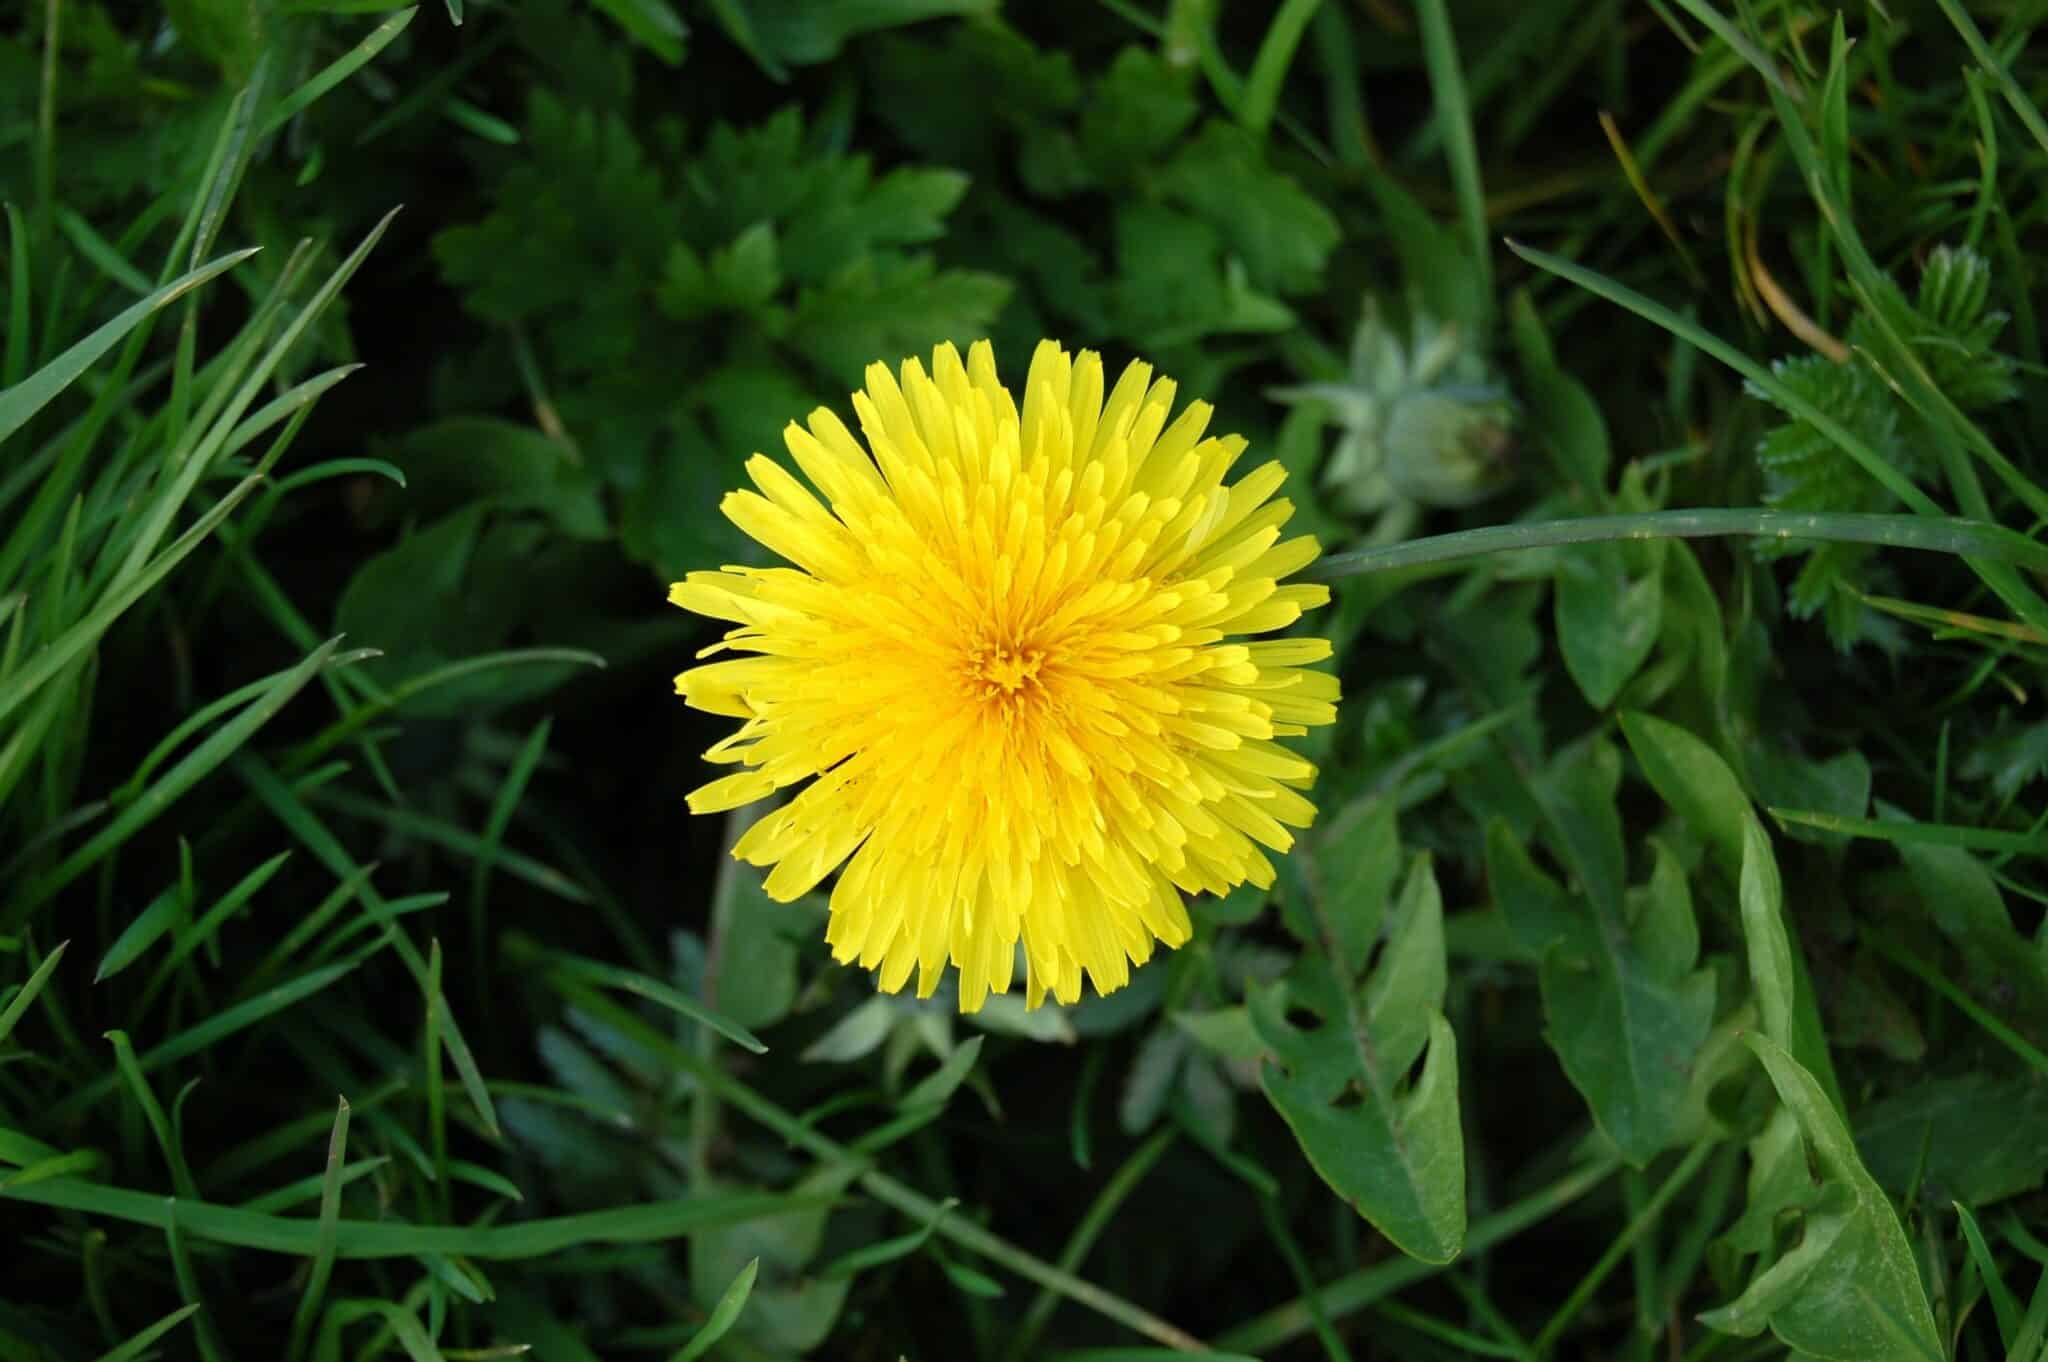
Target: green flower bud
point(1449, 447)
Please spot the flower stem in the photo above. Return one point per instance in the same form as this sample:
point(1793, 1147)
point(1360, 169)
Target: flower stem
point(1938, 534)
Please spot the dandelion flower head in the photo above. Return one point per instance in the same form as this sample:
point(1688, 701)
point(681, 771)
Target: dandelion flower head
point(1006, 656)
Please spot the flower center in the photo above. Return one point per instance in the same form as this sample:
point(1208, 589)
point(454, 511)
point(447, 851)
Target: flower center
point(999, 671)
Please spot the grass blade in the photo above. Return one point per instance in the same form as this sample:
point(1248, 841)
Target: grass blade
point(197, 764)
point(337, 71)
point(23, 400)
point(645, 1223)
point(1269, 68)
point(628, 981)
point(135, 1346)
point(324, 1236)
point(723, 1315)
point(1454, 116)
point(153, 1112)
point(151, 923)
point(324, 845)
point(84, 634)
point(18, 1005)
point(1929, 533)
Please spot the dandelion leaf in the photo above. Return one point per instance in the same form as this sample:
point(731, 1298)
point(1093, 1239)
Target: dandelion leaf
point(1849, 1290)
point(1627, 1009)
point(1385, 1138)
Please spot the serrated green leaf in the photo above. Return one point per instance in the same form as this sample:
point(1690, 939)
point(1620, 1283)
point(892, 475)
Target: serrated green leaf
point(1137, 109)
point(1392, 1149)
point(1850, 1290)
point(1283, 235)
point(451, 464)
point(879, 306)
point(1627, 1022)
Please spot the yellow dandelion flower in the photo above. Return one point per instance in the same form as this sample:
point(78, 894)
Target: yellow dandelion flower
point(1004, 657)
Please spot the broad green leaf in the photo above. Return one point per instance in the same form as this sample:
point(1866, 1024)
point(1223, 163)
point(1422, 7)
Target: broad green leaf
point(453, 463)
point(1356, 859)
point(1226, 1033)
point(1154, 1073)
point(1628, 1013)
point(887, 304)
point(1537, 910)
point(1936, 1137)
point(1628, 1035)
point(1609, 613)
point(1392, 1149)
point(1964, 901)
point(1849, 1291)
point(402, 600)
point(1006, 1014)
point(757, 967)
point(854, 1035)
point(1693, 779)
point(1839, 785)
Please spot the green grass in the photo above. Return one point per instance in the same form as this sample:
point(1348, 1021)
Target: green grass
point(1666, 976)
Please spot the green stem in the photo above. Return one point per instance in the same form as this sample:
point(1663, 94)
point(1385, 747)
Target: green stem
point(1938, 534)
point(1092, 1224)
point(1454, 116)
point(1687, 1169)
point(1269, 69)
point(883, 1188)
point(1264, 1333)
